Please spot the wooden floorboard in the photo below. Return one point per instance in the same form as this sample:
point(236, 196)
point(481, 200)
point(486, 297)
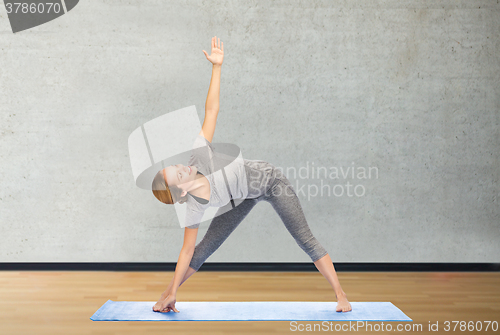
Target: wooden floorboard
point(54, 302)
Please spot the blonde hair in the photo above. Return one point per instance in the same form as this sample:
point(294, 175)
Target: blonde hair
point(167, 194)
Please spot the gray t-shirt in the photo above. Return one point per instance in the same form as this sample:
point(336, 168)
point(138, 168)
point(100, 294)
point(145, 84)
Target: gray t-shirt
point(245, 179)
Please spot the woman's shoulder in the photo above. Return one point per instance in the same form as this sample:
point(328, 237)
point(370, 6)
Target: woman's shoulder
point(202, 152)
point(201, 141)
point(196, 203)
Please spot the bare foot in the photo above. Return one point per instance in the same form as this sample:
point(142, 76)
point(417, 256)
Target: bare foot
point(342, 304)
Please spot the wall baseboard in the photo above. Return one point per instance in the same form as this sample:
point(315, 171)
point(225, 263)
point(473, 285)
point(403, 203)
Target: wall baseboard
point(268, 267)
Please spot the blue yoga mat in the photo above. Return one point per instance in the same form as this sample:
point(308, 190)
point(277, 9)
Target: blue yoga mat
point(249, 311)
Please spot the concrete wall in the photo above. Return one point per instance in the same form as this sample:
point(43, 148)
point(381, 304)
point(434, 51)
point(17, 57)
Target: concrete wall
point(407, 88)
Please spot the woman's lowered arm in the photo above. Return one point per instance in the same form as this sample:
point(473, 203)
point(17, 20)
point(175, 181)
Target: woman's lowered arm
point(184, 258)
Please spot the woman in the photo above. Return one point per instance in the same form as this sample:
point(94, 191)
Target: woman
point(197, 185)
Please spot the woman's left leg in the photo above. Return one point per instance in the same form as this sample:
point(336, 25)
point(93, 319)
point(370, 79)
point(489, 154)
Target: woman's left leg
point(285, 202)
point(220, 228)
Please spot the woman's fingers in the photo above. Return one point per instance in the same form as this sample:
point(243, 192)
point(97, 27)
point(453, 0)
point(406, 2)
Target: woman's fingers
point(167, 309)
point(217, 44)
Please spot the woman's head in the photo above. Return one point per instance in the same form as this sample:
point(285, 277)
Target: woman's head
point(172, 184)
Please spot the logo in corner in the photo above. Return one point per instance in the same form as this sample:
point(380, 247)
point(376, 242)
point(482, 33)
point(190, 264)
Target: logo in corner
point(29, 13)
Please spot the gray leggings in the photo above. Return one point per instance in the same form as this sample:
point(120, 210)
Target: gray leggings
point(285, 202)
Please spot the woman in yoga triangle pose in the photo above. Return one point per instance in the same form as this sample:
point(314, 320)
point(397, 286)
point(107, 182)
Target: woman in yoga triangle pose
point(197, 185)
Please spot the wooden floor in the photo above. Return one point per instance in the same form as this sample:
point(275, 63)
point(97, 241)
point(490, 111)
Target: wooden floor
point(55, 302)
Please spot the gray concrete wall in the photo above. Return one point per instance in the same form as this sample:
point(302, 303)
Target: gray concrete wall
point(408, 88)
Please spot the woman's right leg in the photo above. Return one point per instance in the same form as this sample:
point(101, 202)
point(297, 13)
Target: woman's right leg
point(218, 231)
point(286, 203)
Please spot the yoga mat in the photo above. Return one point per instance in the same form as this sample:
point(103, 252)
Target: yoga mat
point(249, 311)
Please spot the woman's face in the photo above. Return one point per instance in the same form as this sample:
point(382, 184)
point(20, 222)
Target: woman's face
point(181, 176)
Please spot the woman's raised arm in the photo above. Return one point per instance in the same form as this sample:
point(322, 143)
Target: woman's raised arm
point(212, 103)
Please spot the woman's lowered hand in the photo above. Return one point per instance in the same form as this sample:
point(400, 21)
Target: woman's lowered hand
point(167, 305)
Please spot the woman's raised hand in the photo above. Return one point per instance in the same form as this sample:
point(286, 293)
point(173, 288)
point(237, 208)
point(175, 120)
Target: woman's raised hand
point(217, 55)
